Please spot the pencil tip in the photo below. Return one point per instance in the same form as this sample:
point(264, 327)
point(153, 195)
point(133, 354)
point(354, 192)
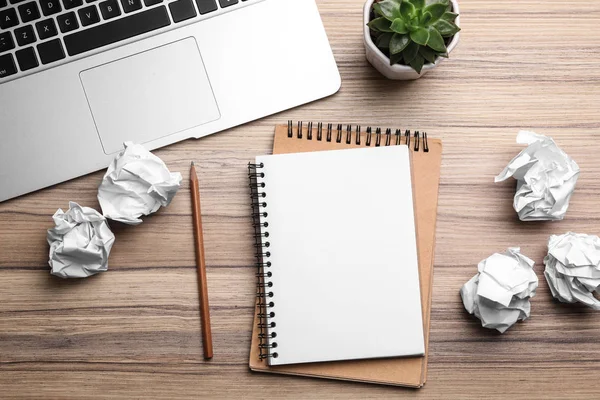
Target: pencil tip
point(192, 163)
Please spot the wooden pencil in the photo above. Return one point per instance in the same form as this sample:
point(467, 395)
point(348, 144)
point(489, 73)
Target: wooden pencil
point(201, 264)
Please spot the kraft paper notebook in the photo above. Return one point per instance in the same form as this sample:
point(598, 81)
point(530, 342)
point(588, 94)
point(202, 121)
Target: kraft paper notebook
point(426, 163)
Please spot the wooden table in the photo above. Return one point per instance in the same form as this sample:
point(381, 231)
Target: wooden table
point(134, 331)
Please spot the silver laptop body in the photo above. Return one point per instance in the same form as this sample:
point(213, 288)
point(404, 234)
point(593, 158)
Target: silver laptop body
point(184, 76)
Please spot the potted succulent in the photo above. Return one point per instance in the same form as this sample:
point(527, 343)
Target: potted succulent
point(404, 39)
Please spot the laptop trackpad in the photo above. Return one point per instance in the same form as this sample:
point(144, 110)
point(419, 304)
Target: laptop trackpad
point(150, 95)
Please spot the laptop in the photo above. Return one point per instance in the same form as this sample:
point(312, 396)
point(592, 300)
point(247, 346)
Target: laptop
point(80, 77)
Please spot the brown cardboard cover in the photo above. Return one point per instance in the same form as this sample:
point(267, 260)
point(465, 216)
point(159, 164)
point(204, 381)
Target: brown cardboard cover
point(411, 371)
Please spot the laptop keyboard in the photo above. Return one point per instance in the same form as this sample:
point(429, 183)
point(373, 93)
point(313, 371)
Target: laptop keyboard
point(40, 34)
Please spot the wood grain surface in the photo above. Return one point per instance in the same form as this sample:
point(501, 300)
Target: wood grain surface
point(134, 331)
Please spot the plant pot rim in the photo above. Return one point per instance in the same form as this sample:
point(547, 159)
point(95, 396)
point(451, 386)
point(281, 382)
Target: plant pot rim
point(402, 67)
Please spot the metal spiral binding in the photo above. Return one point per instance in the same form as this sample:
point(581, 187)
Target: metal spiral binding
point(264, 285)
point(418, 139)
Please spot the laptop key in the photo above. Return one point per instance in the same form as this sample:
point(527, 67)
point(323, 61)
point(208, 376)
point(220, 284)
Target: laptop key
point(46, 28)
point(50, 7)
point(6, 42)
point(131, 5)
point(3, 3)
point(29, 12)
point(7, 66)
point(27, 59)
point(67, 22)
point(15, 1)
point(88, 15)
point(109, 9)
point(227, 3)
point(117, 30)
point(69, 4)
point(149, 3)
point(206, 6)
point(25, 35)
point(51, 51)
point(8, 18)
point(182, 10)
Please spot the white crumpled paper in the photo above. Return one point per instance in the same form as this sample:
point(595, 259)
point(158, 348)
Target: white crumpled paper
point(546, 178)
point(136, 183)
point(499, 294)
point(79, 243)
point(573, 268)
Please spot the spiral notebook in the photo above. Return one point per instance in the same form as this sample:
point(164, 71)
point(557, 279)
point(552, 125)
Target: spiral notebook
point(328, 267)
point(426, 157)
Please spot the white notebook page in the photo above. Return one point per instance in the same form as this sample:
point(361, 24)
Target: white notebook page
point(343, 255)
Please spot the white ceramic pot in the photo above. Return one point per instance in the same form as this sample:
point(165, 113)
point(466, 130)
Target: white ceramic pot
point(382, 63)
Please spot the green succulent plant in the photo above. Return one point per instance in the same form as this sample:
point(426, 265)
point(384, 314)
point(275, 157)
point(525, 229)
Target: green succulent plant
point(413, 32)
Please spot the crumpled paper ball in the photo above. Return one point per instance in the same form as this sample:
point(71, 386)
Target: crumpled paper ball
point(79, 243)
point(136, 183)
point(546, 178)
point(573, 268)
point(499, 294)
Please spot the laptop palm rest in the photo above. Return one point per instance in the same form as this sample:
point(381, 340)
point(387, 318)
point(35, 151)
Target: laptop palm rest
point(150, 95)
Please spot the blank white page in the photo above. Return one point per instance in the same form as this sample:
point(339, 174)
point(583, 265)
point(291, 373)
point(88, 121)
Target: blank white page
point(343, 253)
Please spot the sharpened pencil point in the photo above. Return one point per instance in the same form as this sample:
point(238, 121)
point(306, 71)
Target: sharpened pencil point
point(192, 163)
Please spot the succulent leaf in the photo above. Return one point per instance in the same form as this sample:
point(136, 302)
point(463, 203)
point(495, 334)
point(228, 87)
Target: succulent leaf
point(383, 40)
point(380, 24)
point(419, 4)
point(399, 26)
point(417, 63)
point(398, 43)
point(377, 10)
point(445, 28)
point(427, 54)
point(407, 10)
point(426, 18)
point(449, 16)
point(410, 52)
point(436, 10)
point(436, 41)
point(389, 9)
point(395, 58)
point(420, 36)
